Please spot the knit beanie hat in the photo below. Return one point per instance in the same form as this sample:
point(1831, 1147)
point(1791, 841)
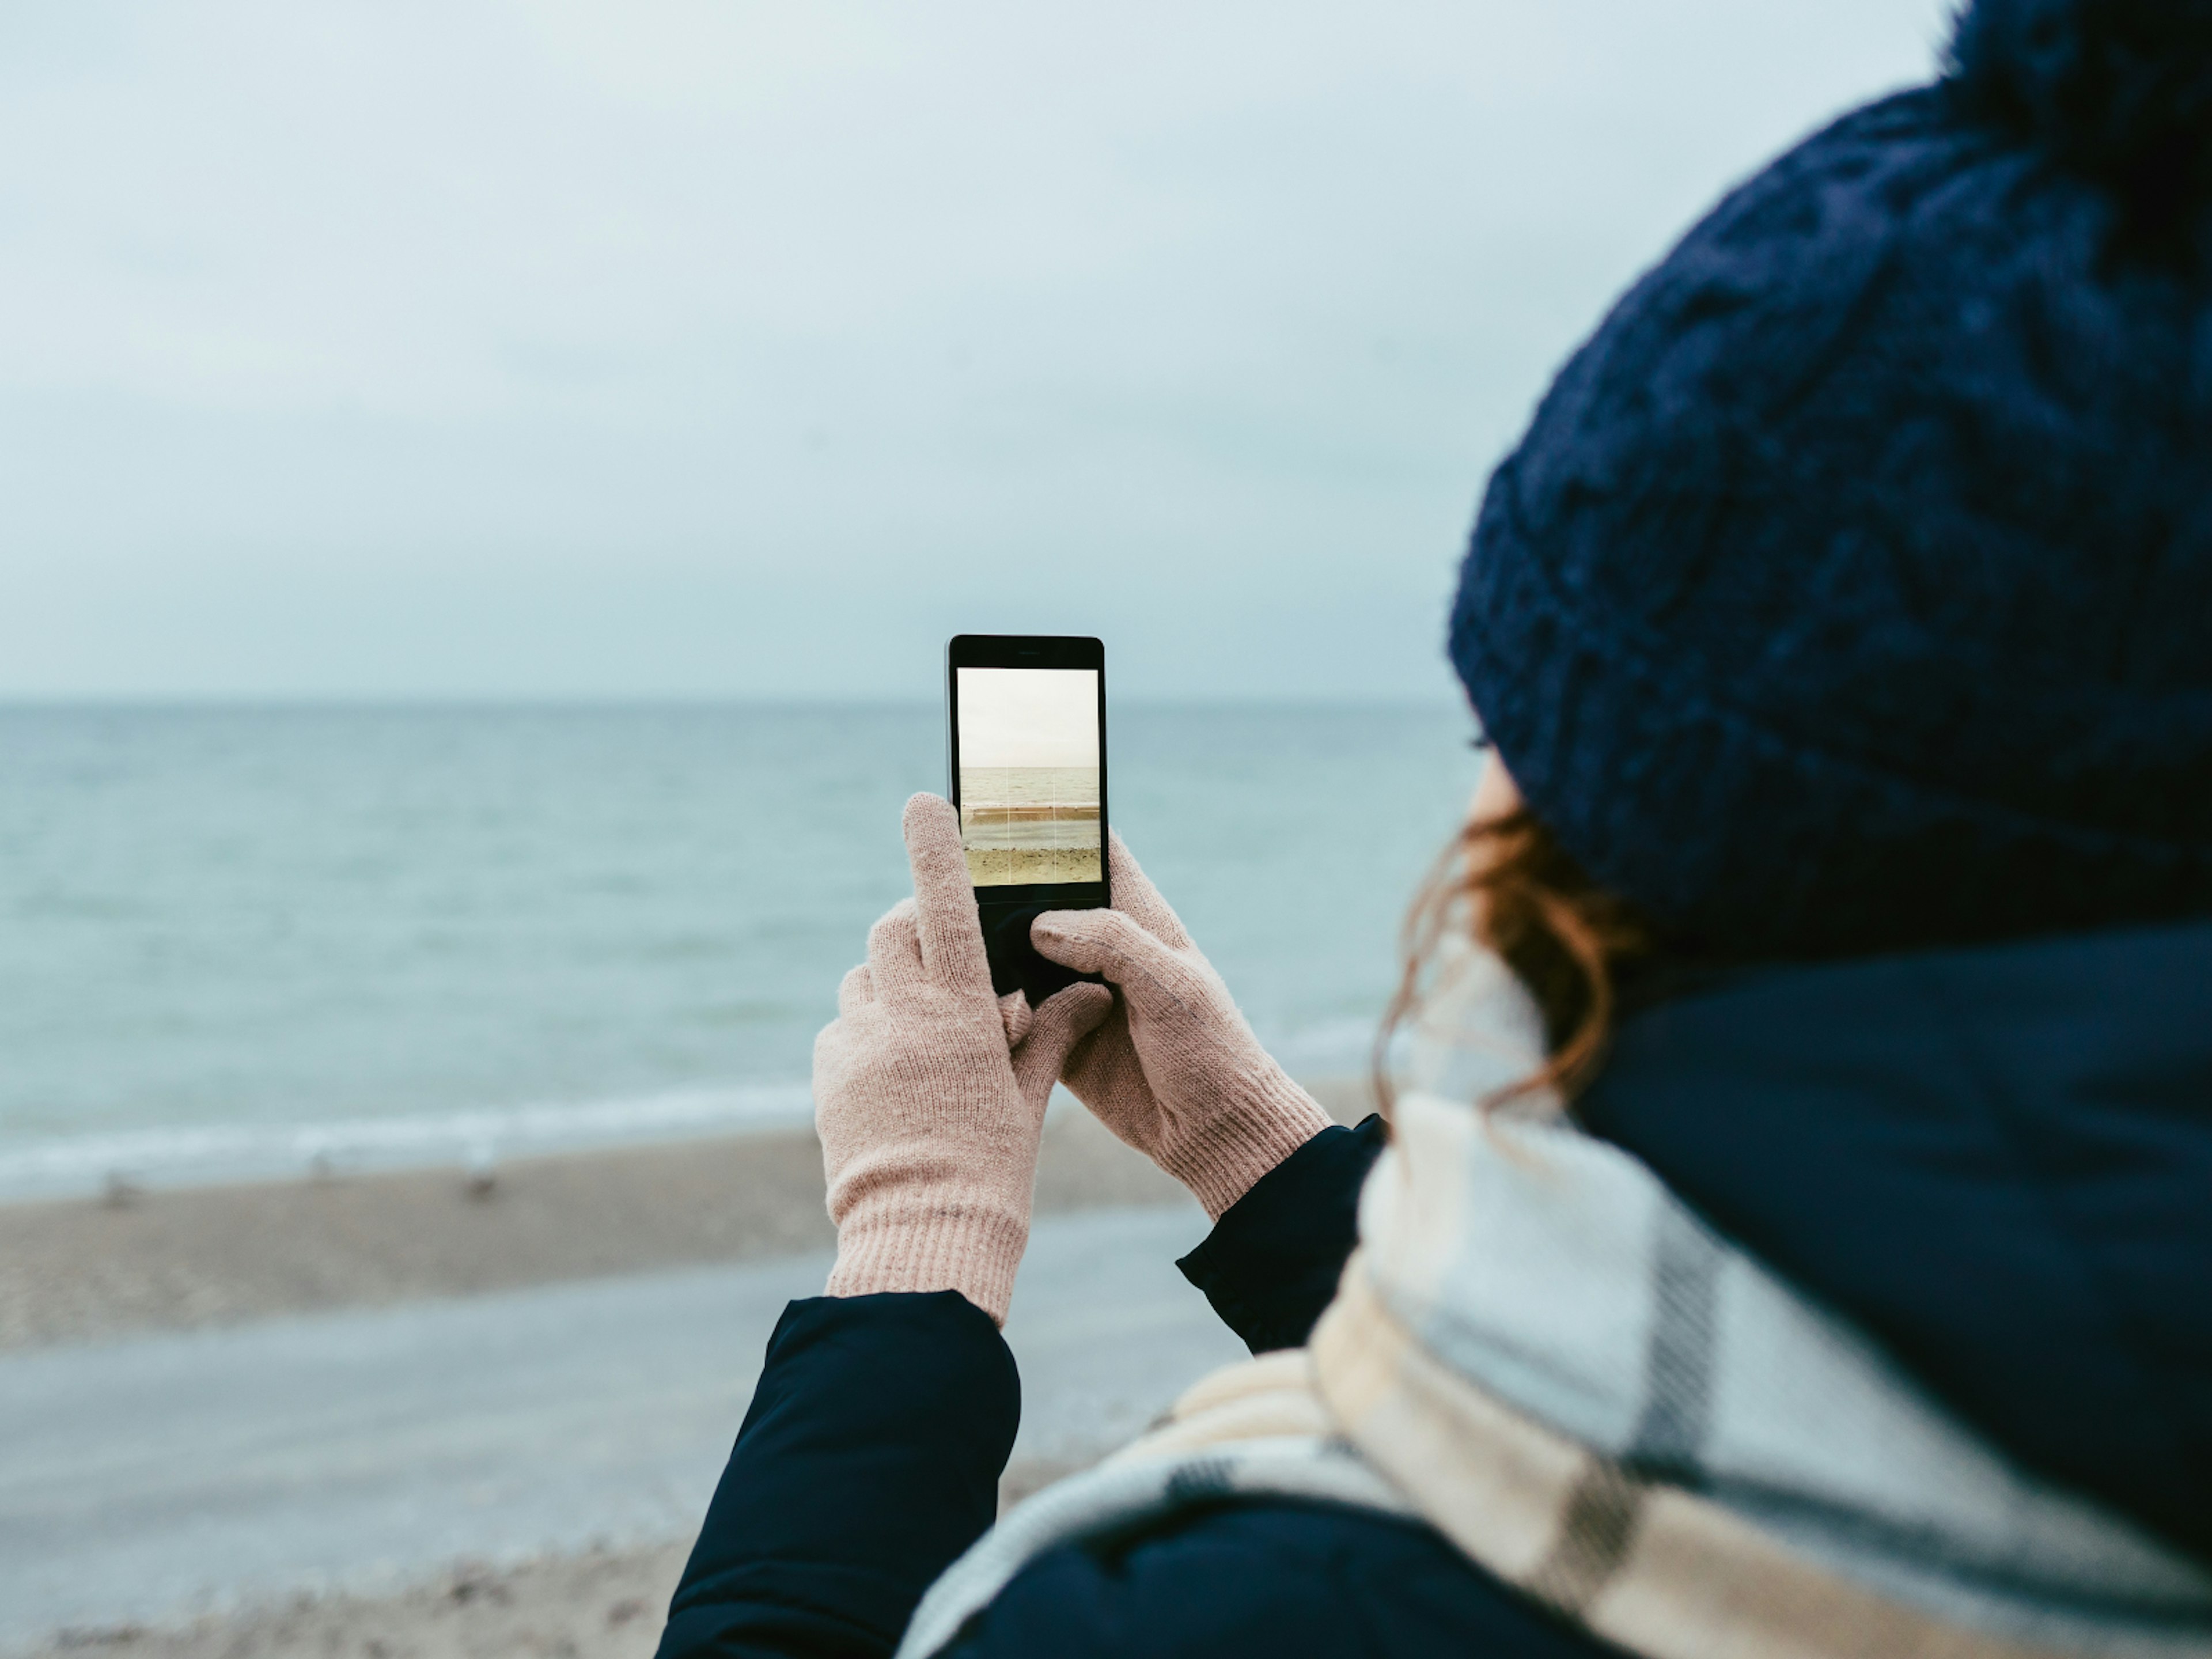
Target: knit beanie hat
point(1852, 589)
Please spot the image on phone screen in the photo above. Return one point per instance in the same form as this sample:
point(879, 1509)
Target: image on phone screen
point(1028, 751)
point(1030, 775)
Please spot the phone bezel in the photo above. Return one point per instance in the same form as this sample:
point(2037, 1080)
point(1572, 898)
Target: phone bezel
point(1030, 651)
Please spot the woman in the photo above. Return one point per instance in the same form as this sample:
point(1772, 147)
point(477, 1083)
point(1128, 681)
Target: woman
point(1841, 1281)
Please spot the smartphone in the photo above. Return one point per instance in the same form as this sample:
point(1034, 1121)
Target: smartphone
point(1026, 735)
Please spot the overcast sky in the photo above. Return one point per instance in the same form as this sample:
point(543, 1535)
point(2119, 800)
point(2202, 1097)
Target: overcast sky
point(471, 349)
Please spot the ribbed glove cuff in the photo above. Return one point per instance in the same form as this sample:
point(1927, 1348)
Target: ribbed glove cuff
point(917, 1246)
point(1222, 1157)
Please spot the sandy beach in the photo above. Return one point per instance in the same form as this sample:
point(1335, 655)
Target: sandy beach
point(1022, 867)
point(211, 1259)
point(601, 1604)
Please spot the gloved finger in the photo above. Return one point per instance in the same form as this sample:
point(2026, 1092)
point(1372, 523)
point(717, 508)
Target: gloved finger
point(1110, 942)
point(945, 896)
point(1015, 1014)
point(1102, 1071)
point(1135, 897)
point(1065, 1019)
point(895, 950)
point(855, 991)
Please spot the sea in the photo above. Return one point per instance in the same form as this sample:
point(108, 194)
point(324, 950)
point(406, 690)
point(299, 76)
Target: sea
point(250, 942)
point(1030, 806)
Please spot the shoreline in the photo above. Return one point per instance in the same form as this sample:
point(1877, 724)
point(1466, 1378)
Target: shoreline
point(167, 1259)
point(245, 1153)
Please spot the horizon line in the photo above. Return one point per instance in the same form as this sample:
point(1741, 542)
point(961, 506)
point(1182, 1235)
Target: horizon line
point(13, 702)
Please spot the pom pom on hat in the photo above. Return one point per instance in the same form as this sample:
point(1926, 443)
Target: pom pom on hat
point(2120, 90)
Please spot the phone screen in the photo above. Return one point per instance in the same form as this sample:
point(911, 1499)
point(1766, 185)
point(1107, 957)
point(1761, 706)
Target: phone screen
point(1030, 775)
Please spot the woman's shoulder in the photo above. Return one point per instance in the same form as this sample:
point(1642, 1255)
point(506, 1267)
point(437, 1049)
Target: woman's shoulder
point(1992, 1159)
point(1266, 1575)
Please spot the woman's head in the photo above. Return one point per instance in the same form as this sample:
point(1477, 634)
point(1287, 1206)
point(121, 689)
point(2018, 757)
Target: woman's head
point(1853, 588)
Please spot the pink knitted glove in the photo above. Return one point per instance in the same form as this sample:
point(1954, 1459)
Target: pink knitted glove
point(1174, 1070)
point(929, 1093)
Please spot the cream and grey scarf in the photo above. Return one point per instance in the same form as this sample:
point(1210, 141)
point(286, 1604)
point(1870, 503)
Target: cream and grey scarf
point(1541, 1352)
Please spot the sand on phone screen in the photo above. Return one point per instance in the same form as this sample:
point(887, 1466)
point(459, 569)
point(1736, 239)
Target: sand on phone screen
point(1028, 775)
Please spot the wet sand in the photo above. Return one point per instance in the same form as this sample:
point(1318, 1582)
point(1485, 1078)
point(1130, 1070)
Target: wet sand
point(1019, 866)
point(605, 1603)
point(85, 1268)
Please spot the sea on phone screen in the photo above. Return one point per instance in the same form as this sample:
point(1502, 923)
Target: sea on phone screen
point(1022, 825)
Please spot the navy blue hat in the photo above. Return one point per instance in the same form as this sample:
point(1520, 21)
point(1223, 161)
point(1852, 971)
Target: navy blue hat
point(1852, 587)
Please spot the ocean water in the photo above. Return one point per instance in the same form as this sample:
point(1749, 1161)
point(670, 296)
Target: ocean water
point(244, 940)
point(1029, 793)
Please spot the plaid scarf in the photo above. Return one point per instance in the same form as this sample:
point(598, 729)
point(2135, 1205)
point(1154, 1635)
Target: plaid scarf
point(1544, 1355)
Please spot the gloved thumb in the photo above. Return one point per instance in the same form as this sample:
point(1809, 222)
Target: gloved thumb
point(1101, 942)
point(1065, 1019)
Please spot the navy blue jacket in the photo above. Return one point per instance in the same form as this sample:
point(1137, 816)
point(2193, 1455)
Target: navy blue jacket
point(1999, 1161)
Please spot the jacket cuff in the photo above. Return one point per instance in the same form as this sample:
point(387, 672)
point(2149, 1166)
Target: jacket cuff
point(1272, 1263)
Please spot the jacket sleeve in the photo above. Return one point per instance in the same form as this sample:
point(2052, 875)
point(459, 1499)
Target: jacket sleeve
point(869, 1459)
point(1271, 1263)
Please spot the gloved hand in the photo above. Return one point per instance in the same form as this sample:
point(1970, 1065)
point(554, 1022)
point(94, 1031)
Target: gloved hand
point(929, 1093)
point(1174, 1070)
